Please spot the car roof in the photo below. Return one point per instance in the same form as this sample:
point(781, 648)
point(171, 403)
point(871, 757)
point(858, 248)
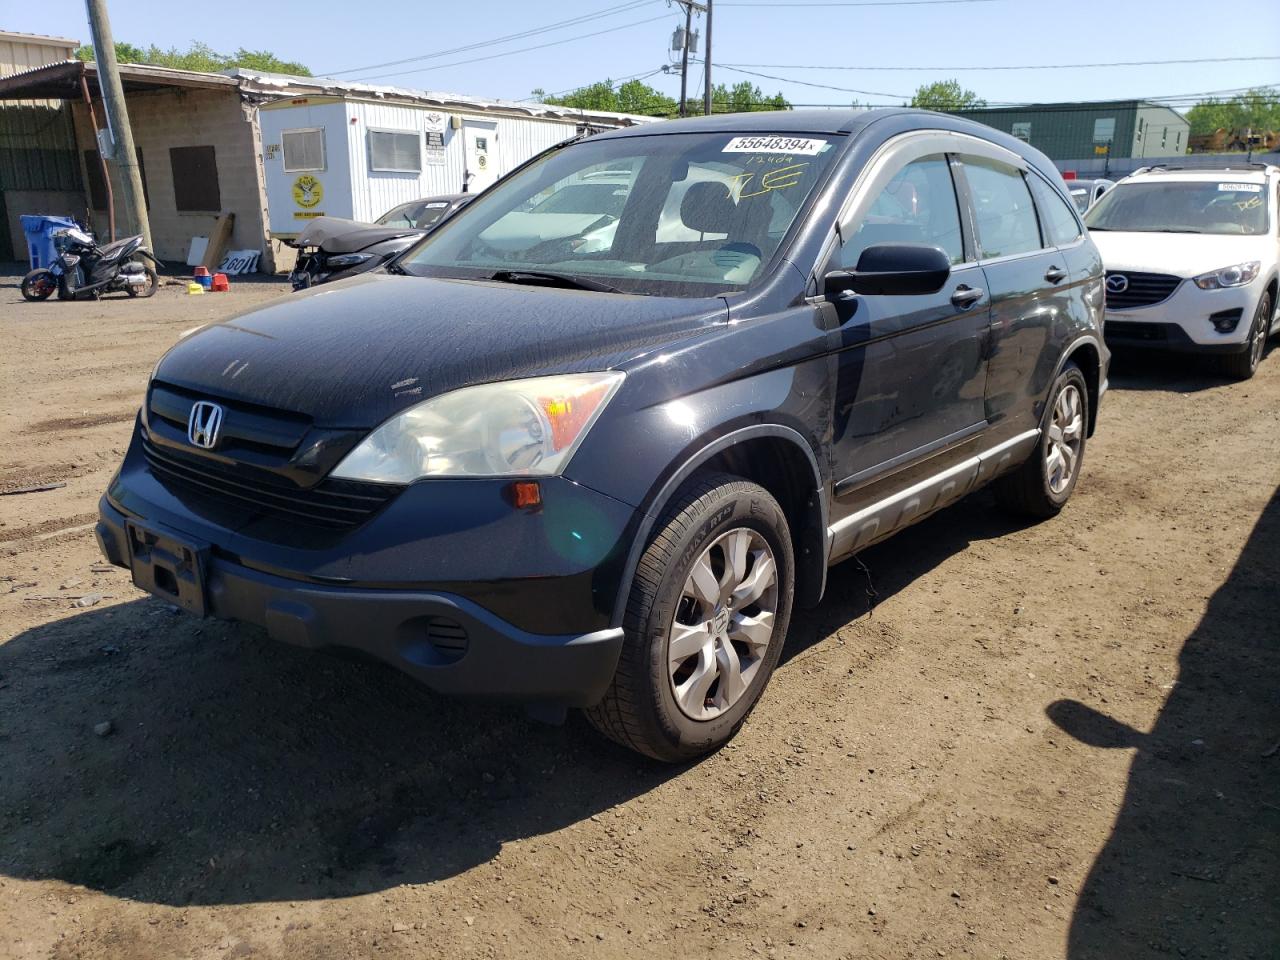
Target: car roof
point(1252, 174)
point(849, 121)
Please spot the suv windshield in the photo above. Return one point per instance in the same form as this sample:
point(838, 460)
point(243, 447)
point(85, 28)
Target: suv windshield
point(670, 214)
point(1187, 206)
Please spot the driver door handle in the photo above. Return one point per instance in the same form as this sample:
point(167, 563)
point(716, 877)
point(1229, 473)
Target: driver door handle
point(967, 296)
point(1055, 274)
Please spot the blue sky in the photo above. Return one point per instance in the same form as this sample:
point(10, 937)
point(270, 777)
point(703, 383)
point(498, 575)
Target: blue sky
point(332, 36)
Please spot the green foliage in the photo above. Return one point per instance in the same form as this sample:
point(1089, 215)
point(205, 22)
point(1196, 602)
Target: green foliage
point(946, 95)
point(744, 97)
point(1258, 108)
point(201, 57)
point(640, 98)
point(634, 96)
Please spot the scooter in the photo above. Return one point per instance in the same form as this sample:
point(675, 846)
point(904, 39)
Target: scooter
point(83, 270)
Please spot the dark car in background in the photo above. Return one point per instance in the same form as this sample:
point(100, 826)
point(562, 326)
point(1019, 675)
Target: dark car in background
point(602, 474)
point(330, 248)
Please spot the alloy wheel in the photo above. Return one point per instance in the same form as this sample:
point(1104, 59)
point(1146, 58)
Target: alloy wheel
point(723, 623)
point(1259, 342)
point(1066, 434)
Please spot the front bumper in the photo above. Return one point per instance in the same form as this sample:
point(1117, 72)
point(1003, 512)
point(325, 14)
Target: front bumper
point(1185, 322)
point(446, 641)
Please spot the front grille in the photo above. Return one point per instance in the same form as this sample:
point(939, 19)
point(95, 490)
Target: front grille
point(331, 503)
point(1129, 330)
point(1144, 290)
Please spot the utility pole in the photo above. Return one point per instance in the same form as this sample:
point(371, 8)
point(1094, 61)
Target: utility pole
point(684, 61)
point(118, 129)
point(706, 95)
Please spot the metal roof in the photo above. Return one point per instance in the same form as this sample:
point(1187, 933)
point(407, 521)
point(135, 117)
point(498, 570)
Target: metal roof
point(39, 38)
point(61, 81)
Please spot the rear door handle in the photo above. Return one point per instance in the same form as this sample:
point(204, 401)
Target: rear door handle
point(967, 296)
point(1055, 274)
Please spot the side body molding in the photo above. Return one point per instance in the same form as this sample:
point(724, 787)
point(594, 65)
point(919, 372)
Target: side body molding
point(878, 520)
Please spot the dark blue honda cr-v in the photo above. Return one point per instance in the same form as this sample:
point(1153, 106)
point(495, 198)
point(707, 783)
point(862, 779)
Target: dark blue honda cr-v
point(590, 453)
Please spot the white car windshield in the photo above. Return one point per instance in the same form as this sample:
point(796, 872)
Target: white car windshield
point(1182, 206)
point(669, 214)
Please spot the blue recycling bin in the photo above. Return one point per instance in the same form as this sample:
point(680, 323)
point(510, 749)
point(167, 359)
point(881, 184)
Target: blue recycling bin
point(40, 231)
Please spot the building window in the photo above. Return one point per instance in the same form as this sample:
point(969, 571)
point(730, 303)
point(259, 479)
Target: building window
point(1022, 130)
point(195, 180)
point(1177, 146)
point(98, 190)
point(1164, 138)
point(1104, 129)
point(395, 151)
point(303, 149)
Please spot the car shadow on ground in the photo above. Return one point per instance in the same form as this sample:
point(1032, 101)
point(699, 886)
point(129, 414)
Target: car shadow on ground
point(855, 586)
point(242, 770)
point(1191, 867)
point(1166, 372)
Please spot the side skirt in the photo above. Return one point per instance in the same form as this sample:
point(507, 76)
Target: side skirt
point(878, 520)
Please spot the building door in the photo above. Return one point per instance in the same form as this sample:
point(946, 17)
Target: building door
point(481, 151)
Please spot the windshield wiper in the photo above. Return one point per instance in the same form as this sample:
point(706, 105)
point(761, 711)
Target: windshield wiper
point(553, 279)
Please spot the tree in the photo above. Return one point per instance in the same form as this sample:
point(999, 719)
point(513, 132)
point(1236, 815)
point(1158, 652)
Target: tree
point(744, 97)
point(201, 57)
point(946, 95)
point(1258, 108)
point(634, 96)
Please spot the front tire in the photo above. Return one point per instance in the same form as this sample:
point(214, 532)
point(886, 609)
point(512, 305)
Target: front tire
point(705, 621)
point(1041, 487)
point(39, 285)
point(1243, 365)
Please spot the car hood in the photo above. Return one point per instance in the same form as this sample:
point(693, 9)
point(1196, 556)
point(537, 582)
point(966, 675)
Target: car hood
point(1181, 254)
point(352, 353)
point(334, 235)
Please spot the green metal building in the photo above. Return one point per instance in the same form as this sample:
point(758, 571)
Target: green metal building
point(1072, 131)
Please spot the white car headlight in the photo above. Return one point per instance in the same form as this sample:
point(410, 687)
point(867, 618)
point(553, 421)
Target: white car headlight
point(526, 428)
point(1236, 275)
point(347, 259)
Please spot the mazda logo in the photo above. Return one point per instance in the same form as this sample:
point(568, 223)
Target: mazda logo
point(1117, 283)
point(204, 424)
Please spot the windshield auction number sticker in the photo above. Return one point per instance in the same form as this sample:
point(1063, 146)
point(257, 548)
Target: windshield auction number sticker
point(793, 145)
point(1240, 187)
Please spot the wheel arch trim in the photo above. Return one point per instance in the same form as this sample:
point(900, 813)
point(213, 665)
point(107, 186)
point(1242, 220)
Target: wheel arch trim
point(657, 503)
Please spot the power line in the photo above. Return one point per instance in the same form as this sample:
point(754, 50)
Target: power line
point(847, 3)
point(644, 75)
point(534, 31)
point(1025, 66)
point(822, 86)
point(509, 53)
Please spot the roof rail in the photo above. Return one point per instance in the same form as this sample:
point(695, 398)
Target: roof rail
point(1184, 168)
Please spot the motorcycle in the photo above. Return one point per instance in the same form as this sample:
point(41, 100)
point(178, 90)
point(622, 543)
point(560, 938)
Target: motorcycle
point(82, 270)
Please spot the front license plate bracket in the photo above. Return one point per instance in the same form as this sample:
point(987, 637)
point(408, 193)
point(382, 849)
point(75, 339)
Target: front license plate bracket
point(169, 567)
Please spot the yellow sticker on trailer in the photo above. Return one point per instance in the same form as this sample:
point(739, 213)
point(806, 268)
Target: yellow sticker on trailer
point(307, 214)
point(307, 191)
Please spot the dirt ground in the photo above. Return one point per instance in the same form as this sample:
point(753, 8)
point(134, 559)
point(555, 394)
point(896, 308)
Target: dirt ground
point(1059, 740)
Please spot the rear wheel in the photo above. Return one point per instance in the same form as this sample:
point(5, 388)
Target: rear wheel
point(1041, 486)
point(147, 289)
point(39, 285)
point(705, 622)
point(1243, 365)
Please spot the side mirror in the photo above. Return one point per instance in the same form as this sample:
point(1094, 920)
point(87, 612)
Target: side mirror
point(893, 269)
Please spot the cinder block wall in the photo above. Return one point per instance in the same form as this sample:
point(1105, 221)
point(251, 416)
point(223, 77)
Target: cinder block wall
point(191, 118)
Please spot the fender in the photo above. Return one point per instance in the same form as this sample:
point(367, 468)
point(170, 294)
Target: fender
point(658, 502)
point(1068, 352)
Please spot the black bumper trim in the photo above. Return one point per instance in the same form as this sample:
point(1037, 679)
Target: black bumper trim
point(1144, 335)
point(500, 661)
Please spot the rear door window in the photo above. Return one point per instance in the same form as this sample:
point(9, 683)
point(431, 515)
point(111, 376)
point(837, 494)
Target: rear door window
point(1060, 225)
point(1004, 214)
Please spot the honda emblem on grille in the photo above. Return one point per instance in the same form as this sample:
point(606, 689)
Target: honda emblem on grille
point(1117, 283)
point(204, 424)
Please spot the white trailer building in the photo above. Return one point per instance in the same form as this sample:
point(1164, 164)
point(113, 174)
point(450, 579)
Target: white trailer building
point(355, 151)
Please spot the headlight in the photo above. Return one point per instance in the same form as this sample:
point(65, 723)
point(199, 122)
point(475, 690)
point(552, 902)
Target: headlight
point(347, 259)
point(517, 428)
point(1236, 275)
